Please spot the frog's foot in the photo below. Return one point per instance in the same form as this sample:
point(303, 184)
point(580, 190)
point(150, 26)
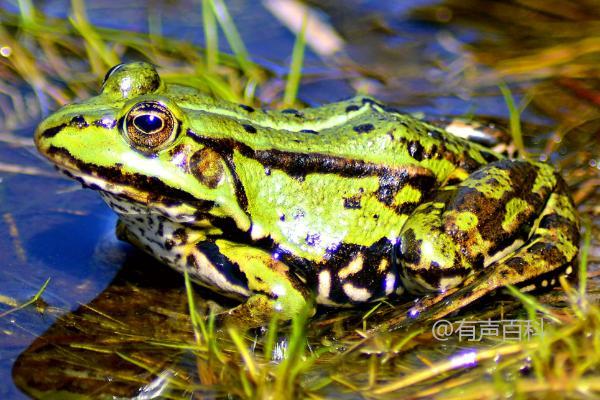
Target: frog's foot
point(481, 253)
point(258, 310)
point(273, 287)
point(485, 133)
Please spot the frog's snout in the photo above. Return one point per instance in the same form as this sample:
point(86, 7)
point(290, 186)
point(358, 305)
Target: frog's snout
point(44, 133)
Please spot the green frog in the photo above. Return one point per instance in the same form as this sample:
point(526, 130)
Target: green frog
point(338, 205)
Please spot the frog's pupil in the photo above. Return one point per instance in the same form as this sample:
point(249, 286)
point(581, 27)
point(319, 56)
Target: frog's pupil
point(148, 123)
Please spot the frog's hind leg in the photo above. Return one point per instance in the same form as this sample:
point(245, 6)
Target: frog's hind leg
point(550, 251)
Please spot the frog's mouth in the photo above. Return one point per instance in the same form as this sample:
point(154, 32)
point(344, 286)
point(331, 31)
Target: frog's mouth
point(145, 190)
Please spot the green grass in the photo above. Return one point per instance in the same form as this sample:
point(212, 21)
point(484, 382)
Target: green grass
point(57, 41)
point(234, 39)
point(211, 35)
point(515, 120)
point(293, 81)
point(98, 53)
point(29, 302)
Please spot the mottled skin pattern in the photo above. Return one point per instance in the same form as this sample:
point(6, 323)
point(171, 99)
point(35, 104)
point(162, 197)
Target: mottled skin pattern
point(344, 204)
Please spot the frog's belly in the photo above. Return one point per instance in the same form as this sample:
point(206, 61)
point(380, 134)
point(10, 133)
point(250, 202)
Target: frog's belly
point(172, 244)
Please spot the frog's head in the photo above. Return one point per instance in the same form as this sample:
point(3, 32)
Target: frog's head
point(131, 141)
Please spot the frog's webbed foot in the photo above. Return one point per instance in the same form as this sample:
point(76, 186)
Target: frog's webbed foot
point(511, 253)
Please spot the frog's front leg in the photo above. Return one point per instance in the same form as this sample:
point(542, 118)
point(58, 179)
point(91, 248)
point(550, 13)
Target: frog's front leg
point(232, 269)
point(511, 222)
point(273, 288)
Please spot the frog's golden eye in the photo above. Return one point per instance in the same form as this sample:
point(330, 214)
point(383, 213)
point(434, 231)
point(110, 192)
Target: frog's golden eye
point(149, 126)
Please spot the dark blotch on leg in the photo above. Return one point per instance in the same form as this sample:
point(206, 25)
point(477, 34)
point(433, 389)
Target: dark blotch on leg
point(409, 248)
point(517, 263)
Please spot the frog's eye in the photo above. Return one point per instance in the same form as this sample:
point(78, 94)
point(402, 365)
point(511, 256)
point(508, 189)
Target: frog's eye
point(149, 126)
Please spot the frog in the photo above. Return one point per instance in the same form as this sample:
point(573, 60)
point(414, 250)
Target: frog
point(335, 206)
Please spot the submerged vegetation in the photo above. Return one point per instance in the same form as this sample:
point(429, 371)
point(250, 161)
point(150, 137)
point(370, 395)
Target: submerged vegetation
point(150, 334)
point(175, 352)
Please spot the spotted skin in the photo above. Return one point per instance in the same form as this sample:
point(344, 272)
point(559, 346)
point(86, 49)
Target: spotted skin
point(342, 204)
point(548, 254)
point(467, 225)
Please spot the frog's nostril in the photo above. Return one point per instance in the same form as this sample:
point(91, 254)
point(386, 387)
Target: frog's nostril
point(79, 122)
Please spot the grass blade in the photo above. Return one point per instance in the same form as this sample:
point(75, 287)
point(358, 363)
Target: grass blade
point(94, 44)
point(583, 262)
point(233, 37)
point(514, 118)
point(293, 81)
point(211, 35)
point(28, 302)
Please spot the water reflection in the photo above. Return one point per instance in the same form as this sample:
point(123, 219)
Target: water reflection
point(118, 343)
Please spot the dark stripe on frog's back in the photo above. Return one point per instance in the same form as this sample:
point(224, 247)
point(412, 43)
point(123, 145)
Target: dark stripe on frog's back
point(299, 164)
point(267, 137)
point(157, 190)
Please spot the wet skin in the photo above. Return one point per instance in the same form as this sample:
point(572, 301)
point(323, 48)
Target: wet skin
point(342, 204)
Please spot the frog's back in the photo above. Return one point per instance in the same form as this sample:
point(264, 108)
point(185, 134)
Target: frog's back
point(359, 135)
